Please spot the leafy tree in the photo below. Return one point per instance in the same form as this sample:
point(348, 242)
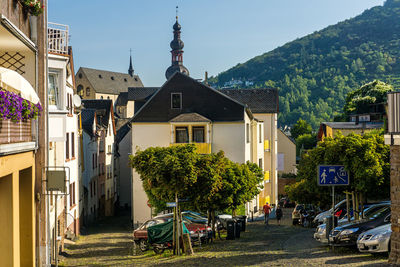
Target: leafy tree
point(301, 127)
point(359, 101)
point(305, 141)
point(166, 172)
point(366, 158)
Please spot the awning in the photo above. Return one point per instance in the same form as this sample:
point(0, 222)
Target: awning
point(13, 81)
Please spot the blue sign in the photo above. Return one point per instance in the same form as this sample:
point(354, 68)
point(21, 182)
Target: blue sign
point(330, 175)
point(171, 204)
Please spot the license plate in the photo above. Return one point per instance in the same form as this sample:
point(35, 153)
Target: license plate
point(361, 245)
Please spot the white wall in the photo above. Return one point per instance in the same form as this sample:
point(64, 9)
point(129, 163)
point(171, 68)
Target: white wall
point(145, 136)
point(230, 138)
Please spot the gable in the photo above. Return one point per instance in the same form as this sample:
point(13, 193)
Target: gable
point(196, 98)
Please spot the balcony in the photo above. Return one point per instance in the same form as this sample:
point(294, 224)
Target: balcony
point(202, 148)
point(17, 137)
point(57, 38)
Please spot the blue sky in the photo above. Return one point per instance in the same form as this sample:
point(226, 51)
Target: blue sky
point(218, 34)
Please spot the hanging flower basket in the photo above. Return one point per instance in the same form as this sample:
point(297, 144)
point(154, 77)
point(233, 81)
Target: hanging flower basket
point(35, 7)
point(16, 109)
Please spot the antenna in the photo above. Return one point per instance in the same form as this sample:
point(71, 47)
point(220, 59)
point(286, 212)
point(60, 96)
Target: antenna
point(130, 51)
point(177, 12)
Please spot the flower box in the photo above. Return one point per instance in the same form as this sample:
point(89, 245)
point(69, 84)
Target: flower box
point(34, 7)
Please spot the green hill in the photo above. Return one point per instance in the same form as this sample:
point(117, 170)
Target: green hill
point(314, 73)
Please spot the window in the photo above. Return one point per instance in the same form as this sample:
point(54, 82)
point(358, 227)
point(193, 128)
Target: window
point(260, 163)
point(93, 165)
point(247, 133)
point(80, 75)
point(72, 194)
point(53, 89)
point(94, 188)
point(101, 97)
point(109, 129)
point(73, 145)
point(102, 189)
point(198, 134)
point(109, 149)
point(176, 100)
point(80, 90)
point(87, 91)
point(91, 189)
point(260, 133)
point(67, 147)
point(181, 135)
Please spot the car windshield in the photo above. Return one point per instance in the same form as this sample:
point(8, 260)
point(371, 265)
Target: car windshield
point(379, 213)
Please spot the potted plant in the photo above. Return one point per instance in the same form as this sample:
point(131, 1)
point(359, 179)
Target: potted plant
point(35, 7)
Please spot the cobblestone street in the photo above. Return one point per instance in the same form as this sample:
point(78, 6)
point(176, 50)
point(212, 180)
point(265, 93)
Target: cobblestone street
point(109, 243)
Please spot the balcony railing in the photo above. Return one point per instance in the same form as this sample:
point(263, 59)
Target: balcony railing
point(57, 38)
point(202, 148)
point(17, 137)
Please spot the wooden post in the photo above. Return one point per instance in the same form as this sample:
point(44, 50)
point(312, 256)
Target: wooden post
point(187, 244)
point(354, 205)
point(174, 232)
point(362, 205)
point(348, 207)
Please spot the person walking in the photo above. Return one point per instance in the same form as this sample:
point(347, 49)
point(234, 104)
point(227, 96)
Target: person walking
point(267, 210)
point(279, 214)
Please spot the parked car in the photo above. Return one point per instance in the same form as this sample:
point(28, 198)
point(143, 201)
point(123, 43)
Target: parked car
point(319, 219)
point(285, 202)
point(375, 240)
point(320, 233)
point(347, 235)
point(303, 211)
point(140, 234)
point(196, 230)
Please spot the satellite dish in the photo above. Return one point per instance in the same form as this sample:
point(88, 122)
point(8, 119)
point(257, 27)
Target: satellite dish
point(77, 101)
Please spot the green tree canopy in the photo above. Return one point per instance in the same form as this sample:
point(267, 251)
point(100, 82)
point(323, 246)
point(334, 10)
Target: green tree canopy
point(366, 158)
point(301, 127)
point(359, 101)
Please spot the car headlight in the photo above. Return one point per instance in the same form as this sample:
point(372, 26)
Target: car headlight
point(348, 231)
point(381, 235)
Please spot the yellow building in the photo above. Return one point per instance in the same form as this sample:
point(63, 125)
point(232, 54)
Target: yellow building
point(330, 129)
point(23, 143)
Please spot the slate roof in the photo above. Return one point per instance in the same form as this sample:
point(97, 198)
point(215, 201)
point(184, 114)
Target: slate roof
point(190, 117)
point(141, 93)
point(103, 109)
point(109, 82)
point(353, 125)
point(122, 132)
point(122, 99)
point(87, 116)
point(196, 98)
point(262, 100)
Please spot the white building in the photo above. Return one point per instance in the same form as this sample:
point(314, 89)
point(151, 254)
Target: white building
point(63, 133)
point(184, 110)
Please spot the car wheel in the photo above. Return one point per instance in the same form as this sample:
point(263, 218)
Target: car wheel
point(143, 245)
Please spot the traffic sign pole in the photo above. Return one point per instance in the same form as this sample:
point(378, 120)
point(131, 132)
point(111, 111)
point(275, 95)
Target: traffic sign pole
point(333, 207)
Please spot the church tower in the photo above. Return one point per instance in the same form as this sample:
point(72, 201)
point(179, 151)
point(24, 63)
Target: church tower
point(130, 70)
point(176, 53)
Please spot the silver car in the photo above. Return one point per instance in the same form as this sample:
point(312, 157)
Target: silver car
point(375, 240)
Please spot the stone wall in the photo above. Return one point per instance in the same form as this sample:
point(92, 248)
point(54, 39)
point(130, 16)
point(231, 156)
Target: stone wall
point(395, 198)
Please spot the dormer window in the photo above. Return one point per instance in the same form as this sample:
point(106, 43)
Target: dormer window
point(100, 76)
point(112, 78)
point(176, 100)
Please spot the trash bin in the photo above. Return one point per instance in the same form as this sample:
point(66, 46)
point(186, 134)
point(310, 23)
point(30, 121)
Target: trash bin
point(230, 229)
point(329, 225)
point(243, 220)
point(238, 228)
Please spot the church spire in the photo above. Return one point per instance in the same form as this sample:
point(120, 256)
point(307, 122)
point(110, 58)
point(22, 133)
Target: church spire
point(176, 52)
point(130, 70)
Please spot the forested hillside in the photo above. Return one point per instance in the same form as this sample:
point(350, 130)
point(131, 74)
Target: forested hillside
point(315, 73)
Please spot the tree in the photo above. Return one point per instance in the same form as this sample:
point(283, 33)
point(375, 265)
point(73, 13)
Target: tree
point(166, 172)
point(359, 101)
point(366, 158)
point(301, 127)
point(305, 141)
